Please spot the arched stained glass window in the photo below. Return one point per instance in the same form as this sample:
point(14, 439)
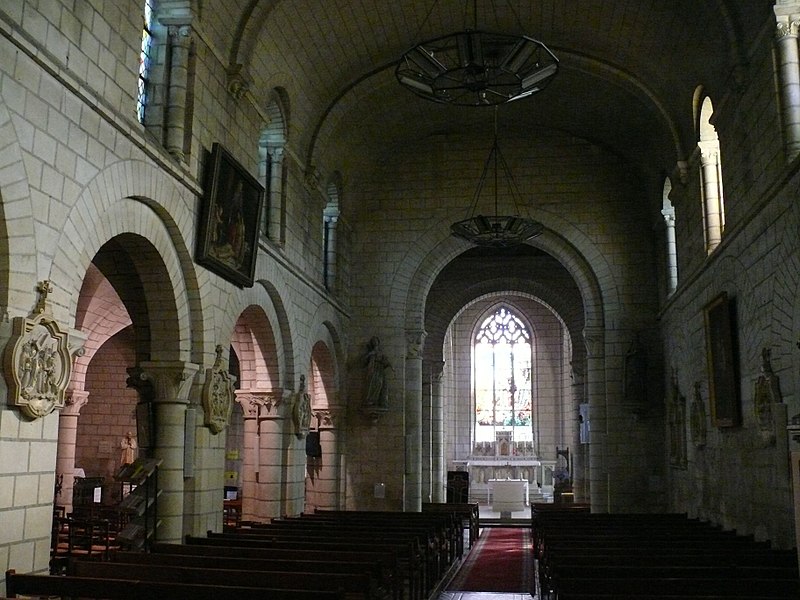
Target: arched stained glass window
point(502, 352)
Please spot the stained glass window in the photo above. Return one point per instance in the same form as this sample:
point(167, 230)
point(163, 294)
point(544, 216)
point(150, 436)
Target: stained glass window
point(144, 60)
point(502, 355)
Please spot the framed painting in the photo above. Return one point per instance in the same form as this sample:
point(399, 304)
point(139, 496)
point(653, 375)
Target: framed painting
point(229, 218)
point(722, 361)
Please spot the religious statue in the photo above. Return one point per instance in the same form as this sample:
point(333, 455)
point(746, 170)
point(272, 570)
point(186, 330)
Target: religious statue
point(301, 410)
point(377, 389)
point(128, 448)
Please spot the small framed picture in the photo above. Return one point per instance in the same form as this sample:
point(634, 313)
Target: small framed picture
point(722, 361)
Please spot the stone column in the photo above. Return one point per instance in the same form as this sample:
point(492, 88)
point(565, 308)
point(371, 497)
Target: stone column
point(327, 486)
point(67, 437)
point(330, 250)
point(250, 401)
point(412, 492)
point(171, 382)
point(272, 420)
point(438, 475)
point(712, 195)
point(672, 253)
point(788, 74)
point(594, 338)
point(275, 205)
point(177, 88)
point(579, 487)
point(425, 419)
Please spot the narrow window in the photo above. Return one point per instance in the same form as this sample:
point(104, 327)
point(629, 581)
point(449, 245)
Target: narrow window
point(144, 61)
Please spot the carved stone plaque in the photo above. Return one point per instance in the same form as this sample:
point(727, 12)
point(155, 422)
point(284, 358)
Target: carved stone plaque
point(218, 395)
point(38, 363)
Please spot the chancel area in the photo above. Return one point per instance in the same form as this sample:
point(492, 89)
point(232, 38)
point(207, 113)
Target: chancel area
point(264, 259)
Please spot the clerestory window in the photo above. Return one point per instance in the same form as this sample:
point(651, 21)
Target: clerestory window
point(145, 59)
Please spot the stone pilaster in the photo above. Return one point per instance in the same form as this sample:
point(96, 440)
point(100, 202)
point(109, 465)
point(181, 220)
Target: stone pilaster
point(438, 475)
point(327, 484)
point(594, 338)
point(412, 492)
point(177, 90)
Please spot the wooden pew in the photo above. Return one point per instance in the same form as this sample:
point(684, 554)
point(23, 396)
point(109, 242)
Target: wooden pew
point(136, 589)
point(467, 512)
point(354, 586)
point(582, 555)
point(395, 557)
point(382, 564)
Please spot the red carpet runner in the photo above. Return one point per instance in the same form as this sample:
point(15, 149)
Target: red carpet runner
point(501, 561)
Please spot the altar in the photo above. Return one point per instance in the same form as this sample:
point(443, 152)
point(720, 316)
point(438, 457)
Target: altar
point(508, 495)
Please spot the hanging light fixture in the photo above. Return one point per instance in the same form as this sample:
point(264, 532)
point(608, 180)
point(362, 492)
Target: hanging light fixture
point(477, 68)
point(497, 231)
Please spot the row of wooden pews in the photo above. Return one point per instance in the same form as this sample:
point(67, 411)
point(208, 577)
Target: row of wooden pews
point(332, 555)
point(581, 555)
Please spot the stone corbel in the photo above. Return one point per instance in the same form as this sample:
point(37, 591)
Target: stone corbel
point(238, 81)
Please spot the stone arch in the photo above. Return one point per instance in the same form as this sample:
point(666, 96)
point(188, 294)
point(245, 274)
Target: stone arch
point(16, 284)
point(115, 203)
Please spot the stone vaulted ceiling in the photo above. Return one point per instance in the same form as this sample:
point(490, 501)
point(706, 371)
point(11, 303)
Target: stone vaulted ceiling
point(628, 68)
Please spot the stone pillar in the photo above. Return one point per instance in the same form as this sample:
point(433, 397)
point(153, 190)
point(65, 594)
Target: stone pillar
point(331, 221)
point(788, 74)
point(579, 483)
point(67, 437)
point(275, 204)
point(177, 88)
point(272, 455)
point(250, 401)
point(438, 475)
point(672, 250)
point(425, 419)
point(594, 338)
point(327, 485)
point(171, 382)
point(412, 492)
point(712, 194)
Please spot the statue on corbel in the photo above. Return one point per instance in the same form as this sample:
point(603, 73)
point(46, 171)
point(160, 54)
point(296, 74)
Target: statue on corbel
point(218, 395)
point(38, 360)
point(766, 393)
point(301, 410)
point(697, 421)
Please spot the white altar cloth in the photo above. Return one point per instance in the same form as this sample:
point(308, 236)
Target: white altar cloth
point(508, 495)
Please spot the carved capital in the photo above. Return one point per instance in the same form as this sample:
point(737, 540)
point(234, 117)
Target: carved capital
point(75, 400)
point(415, 341)
point(329, 418)
point(787, 28)
point(594, 338)
point(273, 405)
point(171, 380)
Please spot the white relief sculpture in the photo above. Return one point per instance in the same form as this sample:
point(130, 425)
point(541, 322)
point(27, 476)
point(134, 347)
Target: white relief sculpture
point(38, 361)
point(218, 395)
